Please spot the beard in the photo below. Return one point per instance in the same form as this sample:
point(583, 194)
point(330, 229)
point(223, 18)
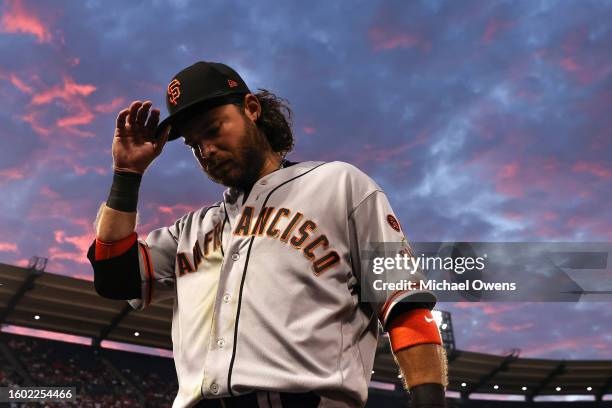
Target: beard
point(244, 168)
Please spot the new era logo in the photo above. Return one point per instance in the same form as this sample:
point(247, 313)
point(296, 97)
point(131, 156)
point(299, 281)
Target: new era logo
point(232, 83)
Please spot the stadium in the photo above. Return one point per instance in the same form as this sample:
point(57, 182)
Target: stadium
point(31, 298)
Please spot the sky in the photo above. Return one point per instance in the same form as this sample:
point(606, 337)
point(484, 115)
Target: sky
point(481, 120)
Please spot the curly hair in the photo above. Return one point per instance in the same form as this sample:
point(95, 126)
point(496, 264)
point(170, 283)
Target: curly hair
point(275, 121)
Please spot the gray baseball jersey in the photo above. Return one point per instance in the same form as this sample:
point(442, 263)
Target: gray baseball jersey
point(267, 291)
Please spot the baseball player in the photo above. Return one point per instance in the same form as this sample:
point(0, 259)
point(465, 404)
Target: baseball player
point(269, 282)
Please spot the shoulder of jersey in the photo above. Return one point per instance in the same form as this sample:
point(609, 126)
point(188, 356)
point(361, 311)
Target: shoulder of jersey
point(197, 214)
point(340, 169)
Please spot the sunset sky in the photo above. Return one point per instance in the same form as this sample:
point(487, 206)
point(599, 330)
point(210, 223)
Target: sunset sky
point(481, 120)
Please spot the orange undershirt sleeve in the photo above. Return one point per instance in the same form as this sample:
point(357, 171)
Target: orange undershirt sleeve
point(106, 250)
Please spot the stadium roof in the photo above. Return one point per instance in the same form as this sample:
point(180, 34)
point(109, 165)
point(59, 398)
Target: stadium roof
point(71, 306)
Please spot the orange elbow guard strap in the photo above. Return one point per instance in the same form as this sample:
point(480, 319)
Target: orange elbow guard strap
point(413, 327)
point(107, 250)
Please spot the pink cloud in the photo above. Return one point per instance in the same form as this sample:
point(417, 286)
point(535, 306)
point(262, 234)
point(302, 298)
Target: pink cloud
point(34, 119)
point(395, 154)
point(72, 95)
point(507, 181)
point(8, 247)
point(81, 244)
point(56, 253)
point(596, 169)
point(382, 39)
point(569, 64)
point(309, 130)
point(22, 262)
point(177, 209)
point(542, 348)
point(82, 118)
point(82, 170)
point(112, 106)
point(13, 173)
point(494, 27)
point(490, 308)
point(502, 327)
point(17, 19)
point(20, 84)
point(67, 91)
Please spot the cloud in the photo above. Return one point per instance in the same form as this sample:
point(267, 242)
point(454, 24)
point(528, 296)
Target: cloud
point(16, 18)
point(494, 27)
point(8, 247)
point(14, 173)
point(595, 169)
point(382, 39)
point(67, 91)
point(111, 107)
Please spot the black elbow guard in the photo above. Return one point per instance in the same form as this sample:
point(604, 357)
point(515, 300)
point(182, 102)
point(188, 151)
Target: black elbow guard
point(430, 395)
point(117, 277)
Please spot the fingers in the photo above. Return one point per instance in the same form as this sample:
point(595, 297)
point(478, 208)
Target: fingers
point(133, 110)
point(143, 112)
point(142, 124)
point(121, 119)
point(153, 121)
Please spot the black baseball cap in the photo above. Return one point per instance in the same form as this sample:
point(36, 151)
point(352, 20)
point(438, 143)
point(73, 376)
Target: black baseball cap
point(202, 85)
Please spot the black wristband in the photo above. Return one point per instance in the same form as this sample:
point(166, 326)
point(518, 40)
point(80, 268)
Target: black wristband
point(430, 395)
point(123, 194)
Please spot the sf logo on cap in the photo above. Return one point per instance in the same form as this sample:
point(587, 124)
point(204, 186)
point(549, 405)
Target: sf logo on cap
point(174, 91)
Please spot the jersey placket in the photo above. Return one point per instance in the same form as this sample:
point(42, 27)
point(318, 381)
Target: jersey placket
point(221, 347)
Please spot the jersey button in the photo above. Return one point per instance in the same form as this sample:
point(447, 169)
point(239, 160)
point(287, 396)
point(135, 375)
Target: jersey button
point(227, 297)
point(214, 388)
point(235, 257)
point(221, 343)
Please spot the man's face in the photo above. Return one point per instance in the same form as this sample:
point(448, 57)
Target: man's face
point(227, 144)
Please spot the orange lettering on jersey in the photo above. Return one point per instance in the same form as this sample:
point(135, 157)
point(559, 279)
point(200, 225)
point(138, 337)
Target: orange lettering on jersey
point(321, 240)
point(285, 236)
point(327, 261)
point(262, 220)
point(244, 225)
point(306, 227)
point(197, 255)
point(272, 231)
point(183, 263)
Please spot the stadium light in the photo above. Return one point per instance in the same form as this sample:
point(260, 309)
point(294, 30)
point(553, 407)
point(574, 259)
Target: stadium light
point(372, 371)
point(444, 326)
point(496, 386)
point(558, 388)
point(36, 317)
point(463, 384)
point(399, 376)
point(524, 388)
point(589, 388)
point(136, 334)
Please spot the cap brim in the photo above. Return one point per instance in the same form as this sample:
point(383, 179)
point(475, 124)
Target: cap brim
point(180, 115)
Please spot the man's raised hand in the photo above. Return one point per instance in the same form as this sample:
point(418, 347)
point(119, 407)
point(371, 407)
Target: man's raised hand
point(134, 143)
